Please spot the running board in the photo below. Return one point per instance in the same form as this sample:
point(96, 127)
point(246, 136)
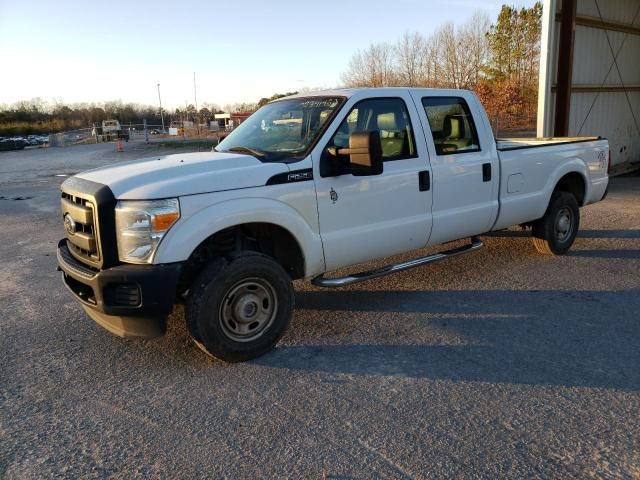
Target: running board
point(320, 281)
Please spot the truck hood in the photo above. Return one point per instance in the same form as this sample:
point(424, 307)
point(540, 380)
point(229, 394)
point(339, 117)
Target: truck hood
point(183, 174)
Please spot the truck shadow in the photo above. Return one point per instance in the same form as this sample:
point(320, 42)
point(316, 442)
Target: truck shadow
point(581, 233)
point(562, 338)
point(606, 253)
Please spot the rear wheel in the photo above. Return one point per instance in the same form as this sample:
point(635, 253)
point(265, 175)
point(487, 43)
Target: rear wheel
point(239, 308)
point(554, 233)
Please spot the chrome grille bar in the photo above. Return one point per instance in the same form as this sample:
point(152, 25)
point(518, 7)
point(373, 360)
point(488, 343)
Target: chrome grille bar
point(80, 227)
point(80, 213)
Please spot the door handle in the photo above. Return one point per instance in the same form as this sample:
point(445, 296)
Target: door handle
point(486, 172)
point(424, 181)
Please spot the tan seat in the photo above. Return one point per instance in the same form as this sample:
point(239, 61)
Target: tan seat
point(392, 135)
point(454, 134)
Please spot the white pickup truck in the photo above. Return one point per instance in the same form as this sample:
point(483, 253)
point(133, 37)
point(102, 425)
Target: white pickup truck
point(307, 185)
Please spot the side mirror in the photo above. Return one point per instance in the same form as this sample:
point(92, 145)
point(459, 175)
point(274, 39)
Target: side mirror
point(365, 154)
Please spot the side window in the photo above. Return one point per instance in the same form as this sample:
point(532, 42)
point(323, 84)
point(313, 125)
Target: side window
point(389, 116)
point(451, 125)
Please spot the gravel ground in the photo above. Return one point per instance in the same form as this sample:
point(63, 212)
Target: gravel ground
point(499, 364)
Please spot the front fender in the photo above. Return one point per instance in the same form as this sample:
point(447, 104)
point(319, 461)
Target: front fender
point(189, 232)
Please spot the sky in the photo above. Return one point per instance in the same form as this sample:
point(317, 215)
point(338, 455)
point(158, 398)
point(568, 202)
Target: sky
point(240, 51)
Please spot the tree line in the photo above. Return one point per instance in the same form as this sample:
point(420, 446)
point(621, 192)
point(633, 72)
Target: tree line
point(38, 117)
point(499, 61)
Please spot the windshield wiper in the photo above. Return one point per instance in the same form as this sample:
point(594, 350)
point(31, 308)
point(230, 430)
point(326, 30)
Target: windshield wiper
point(253, 151)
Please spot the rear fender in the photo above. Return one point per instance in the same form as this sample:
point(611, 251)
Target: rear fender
point(572, 165)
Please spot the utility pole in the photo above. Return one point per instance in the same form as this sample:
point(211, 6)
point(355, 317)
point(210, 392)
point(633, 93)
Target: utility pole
point(195, 101)
point(161, 115)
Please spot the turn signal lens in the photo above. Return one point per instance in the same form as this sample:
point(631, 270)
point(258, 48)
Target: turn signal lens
point(162, 221)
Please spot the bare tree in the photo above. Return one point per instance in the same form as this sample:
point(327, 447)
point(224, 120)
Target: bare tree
point(461, 52)
point(432, 64)
point(411, 60)
point(240, 107)
point(372, 67)
point(474, 34)
point(454, 61)
point(451, 57)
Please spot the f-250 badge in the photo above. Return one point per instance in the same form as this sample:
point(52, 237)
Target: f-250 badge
point(333, 195)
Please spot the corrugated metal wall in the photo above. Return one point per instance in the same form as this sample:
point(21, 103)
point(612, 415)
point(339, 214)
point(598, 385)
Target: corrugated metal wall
point(605, 86)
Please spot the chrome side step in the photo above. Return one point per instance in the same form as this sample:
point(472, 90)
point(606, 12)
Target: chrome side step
point(320, 281)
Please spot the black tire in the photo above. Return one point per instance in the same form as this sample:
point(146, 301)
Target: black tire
point(554, 233)
point(238, 308)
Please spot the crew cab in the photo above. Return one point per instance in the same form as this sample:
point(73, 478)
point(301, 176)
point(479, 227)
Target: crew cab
point(307, 185)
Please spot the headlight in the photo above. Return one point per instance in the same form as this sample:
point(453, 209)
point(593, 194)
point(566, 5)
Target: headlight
point(140, 225)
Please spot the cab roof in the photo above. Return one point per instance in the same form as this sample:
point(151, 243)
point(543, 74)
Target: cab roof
point(350, 92)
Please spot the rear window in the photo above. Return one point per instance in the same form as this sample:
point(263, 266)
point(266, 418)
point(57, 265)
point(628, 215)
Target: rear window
point(451, 125)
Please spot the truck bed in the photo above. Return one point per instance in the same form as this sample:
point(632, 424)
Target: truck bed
point(529, 169)
point(504, 144)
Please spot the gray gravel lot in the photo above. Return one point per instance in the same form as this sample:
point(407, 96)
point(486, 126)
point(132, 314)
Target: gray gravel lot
point(500, 364)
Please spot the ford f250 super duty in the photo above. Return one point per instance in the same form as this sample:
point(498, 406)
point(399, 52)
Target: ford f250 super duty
point(307, 185)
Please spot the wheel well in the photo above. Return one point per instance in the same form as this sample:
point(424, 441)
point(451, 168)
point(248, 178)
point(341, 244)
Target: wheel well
point(267, 238)
point(572, 183)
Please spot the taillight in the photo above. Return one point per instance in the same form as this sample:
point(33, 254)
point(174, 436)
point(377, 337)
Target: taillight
point(609, 164)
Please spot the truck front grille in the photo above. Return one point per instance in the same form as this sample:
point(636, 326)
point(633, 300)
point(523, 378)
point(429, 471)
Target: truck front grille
point(89, 222)
point(79, 217)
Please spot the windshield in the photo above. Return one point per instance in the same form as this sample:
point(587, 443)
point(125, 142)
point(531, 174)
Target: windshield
point(285, 128)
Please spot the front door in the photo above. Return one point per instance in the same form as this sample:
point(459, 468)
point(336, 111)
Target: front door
point(364, 218)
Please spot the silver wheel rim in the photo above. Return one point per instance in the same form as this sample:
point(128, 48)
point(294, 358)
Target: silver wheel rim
point(563, 224)
point(248, 309)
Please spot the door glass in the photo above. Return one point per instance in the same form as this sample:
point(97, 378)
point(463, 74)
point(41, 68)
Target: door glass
point(388, 116)
point(451, 125)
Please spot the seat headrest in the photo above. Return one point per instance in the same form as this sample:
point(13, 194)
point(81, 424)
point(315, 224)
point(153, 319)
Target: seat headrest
point(387, 121)
point(453, 126)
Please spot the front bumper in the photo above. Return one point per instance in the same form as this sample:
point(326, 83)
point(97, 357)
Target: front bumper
point(127, 300)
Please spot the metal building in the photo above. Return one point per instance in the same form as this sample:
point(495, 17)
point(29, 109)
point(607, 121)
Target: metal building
point(590, 74)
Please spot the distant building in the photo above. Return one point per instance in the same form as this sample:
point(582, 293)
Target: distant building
point(228, 121)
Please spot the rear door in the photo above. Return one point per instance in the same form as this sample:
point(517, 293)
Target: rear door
point(364, 218)
point(464, 163)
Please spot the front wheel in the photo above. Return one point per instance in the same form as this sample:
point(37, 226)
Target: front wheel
point(239, 308)
point(554, 233)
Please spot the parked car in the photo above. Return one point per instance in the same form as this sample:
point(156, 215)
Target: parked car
point(35, 140)
point(13, 143)
point(365, 174)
